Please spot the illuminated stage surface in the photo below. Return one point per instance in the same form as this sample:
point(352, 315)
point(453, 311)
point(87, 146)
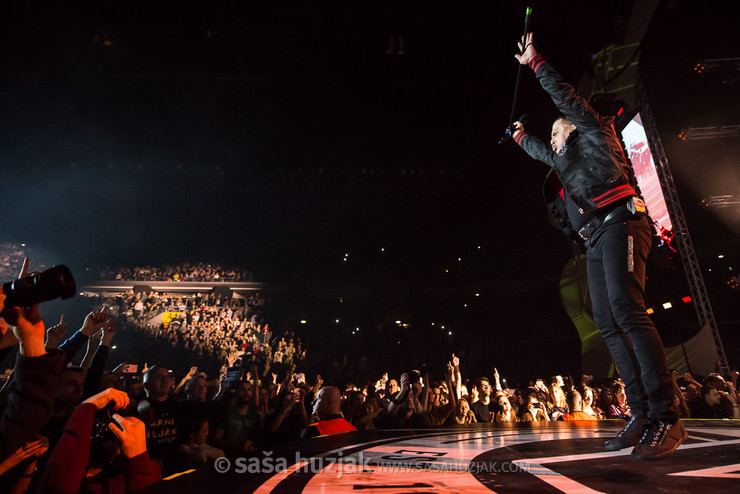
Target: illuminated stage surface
point(551, 457)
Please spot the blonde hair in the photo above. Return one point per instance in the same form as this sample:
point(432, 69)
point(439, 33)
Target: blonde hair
point(565, 121)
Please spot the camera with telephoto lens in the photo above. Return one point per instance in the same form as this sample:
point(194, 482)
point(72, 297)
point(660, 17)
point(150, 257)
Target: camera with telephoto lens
point(56, 281)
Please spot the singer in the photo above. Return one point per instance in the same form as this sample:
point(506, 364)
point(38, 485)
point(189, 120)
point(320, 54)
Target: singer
point(591, 192)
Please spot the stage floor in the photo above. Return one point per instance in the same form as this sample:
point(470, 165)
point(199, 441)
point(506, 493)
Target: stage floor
point(550, 457)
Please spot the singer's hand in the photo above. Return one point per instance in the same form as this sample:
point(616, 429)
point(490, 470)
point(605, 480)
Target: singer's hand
point(518, 128)
point(527, 50)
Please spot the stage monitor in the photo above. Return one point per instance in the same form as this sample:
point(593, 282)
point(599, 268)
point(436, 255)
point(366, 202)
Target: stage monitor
point(636, 143)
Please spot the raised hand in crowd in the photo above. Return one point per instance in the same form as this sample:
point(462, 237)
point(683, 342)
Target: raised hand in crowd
point(55, 333)
point(457, 376)
point(94, 322)
point(30, 454)
point(191, 373)
point(92, 345)
point(232, 357)
point(32, 449)
point(26, 324)
point(497, 380)
point(109, 332)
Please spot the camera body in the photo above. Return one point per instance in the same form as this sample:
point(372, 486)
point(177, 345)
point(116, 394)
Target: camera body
point(413, 377)
point(100, 430)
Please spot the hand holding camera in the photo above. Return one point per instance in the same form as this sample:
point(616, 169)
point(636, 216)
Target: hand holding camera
point(117, 398)
point(19, 307)
point(132, 433)
point(105, 402)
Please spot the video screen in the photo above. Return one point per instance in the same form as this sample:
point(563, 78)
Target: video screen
point(636, 142)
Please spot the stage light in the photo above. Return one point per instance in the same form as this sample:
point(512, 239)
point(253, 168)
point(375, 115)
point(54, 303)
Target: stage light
point(686, 299)
point(336, 321)
point(477, 294)
point(721, 256)
point(667, 305)
point(449, 333)
point(398, 322)
point(650, 311)
point(303, 321)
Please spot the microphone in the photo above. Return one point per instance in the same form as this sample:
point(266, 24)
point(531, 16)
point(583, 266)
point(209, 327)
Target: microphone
point(524, 118)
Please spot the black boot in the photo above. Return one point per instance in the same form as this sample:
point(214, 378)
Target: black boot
point(630, 435)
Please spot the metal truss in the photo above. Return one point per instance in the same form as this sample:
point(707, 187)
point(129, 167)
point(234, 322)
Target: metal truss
point(725, 201)
point(682, 238)
point(716, 132)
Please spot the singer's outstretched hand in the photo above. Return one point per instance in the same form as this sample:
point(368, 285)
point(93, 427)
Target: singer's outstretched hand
point(518, 128)
point(527, 50)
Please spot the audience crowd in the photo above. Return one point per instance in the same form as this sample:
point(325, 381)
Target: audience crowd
point(185, 271)
point(87, 427)
point(12, 255)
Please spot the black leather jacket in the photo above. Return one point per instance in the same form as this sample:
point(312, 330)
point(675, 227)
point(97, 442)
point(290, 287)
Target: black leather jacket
point(591, 167)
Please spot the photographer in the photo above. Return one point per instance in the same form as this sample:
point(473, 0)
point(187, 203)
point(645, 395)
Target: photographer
point(534, 410)
point(28, 396)
point(241, 429)
point(120, 464)
point(289, 418)
point(406, 408)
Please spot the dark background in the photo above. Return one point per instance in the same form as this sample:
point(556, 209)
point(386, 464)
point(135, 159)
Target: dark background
point(281, 136)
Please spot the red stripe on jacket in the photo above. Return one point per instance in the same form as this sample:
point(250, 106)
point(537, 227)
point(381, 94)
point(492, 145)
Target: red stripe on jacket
point(536, 62)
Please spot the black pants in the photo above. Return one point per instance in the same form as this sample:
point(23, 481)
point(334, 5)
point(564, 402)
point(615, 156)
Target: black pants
point(616, 258)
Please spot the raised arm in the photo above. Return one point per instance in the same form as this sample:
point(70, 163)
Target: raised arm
point(572, 106)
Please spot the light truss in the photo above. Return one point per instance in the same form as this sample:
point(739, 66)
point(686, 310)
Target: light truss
point(682, 239)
